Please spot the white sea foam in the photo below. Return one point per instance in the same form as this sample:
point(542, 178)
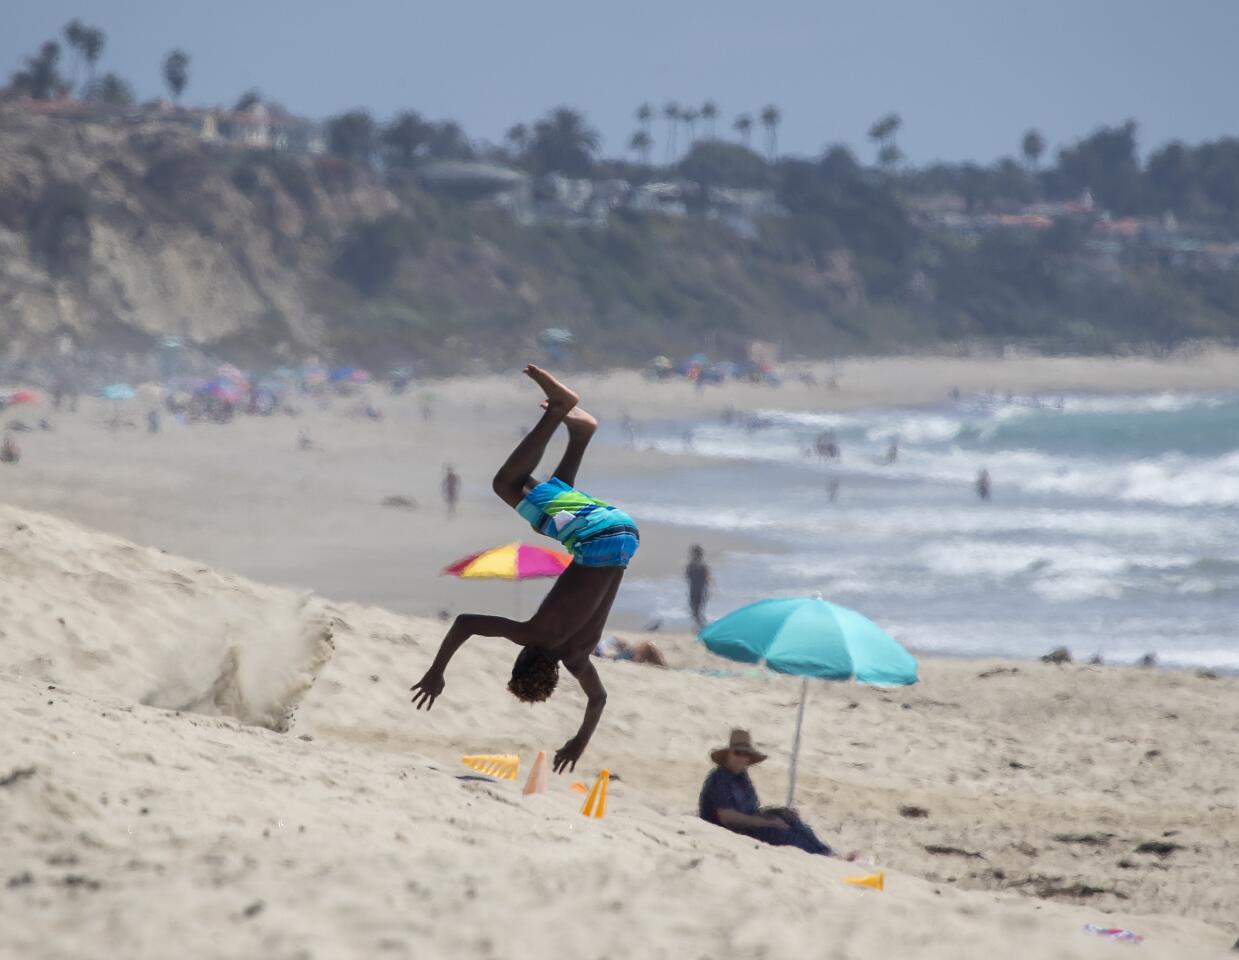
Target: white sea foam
point(1123, 545)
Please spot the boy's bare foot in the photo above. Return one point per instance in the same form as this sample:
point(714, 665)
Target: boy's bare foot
point(558, 397)
point(577, 420)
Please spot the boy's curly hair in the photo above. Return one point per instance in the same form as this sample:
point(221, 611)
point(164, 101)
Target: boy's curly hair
point(534, 675)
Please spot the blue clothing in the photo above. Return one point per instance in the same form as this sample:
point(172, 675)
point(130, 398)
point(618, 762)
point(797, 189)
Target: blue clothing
point(595, 533)
point(724, 790)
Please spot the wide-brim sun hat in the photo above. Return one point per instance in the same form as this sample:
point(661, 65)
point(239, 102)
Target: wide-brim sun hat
point(740, 742)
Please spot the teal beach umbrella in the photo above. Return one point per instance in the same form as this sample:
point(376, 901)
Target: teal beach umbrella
point(810, 637)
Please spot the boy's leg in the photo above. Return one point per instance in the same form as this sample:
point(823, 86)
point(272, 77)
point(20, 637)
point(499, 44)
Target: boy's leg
point(516, 475)
point(513, 477)
point(581, 427)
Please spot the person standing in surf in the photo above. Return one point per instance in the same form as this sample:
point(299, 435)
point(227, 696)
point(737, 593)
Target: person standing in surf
point(569, 622)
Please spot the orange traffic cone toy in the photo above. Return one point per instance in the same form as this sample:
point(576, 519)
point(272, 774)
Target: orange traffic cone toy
point(596, 802)
point(537, 776)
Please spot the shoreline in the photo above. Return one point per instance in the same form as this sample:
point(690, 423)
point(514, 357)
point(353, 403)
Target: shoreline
point(241, 497)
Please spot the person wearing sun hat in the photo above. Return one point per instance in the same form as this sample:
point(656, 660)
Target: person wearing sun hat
point(728, 799)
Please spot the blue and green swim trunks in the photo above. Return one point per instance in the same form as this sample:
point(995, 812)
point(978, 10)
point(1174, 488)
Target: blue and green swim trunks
point(595, 533)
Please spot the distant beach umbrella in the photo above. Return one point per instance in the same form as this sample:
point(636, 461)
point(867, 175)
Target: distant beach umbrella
point(221, 389)
point(810, 637)
point(118, 391)
point(513, 561)
point(24, 396)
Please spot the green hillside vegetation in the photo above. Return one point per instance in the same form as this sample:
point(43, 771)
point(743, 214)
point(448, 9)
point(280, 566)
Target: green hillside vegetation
point(351, 252)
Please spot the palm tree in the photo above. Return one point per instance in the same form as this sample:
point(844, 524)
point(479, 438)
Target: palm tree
point(770, 118)
point(564, 143)
point(689, 115)
point(882, 133)
point(93, 42)
point(1033, 145)
point(645, 113)
point(176, 73)
point(41, 79)
point(744, 127)
point(247, 101)
point(517, 138)
point(350, 136)
point(889, 157)
point(640, 143)
point(709, 113)
point(448, 142)
point(75, 32)
point(110, 89)
point(404, 136)
point(671, 110)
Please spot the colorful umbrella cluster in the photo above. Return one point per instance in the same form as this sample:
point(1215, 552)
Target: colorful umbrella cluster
point(514, 561)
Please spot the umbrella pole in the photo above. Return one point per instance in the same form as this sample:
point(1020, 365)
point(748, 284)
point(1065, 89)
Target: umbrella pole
point(791, 785)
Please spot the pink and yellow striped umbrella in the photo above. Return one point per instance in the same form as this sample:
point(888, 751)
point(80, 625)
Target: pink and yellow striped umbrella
point(514, 561)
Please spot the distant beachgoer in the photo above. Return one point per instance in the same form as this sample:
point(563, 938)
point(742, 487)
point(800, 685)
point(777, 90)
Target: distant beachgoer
point(46, 425)
point(617, 648)
point(728, 799)
point(304, 442)
point(630, 430)
point(567, 625)
point(451, 489)
point(832, 489)
point(892, 452)
point(10, 452)
point(700, 581)
point(955, 394)
point(152, 420)
point(983, 484)
point(826, 445)
point(688, 440)
point(428, 409)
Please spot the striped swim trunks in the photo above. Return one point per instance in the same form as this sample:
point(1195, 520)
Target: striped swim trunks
point(595, 533)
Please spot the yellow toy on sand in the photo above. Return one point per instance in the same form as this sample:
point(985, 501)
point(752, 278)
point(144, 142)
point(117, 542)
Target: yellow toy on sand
point(502, 766)
point(875, 881)
point(596, 802)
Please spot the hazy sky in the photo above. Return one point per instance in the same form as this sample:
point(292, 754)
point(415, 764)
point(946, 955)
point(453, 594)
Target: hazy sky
point(967, 76)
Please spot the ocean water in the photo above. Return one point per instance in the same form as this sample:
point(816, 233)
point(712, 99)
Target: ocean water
point(1113, 526)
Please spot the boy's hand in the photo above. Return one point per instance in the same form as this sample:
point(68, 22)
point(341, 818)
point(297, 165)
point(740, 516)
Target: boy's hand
point(427, 689)
point(567, 755)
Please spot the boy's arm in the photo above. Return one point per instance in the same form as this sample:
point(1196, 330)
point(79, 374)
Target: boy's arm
point(467, 625)
point(583, 669)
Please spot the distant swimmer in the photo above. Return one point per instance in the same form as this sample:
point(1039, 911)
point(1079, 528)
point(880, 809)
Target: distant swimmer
point(10, 452)
point(451, 489)
point(569, 623)
point(826, 445)
point(629, 426)
point(983, 484)
point(700, 582)
point(892, 452)
point(832, 489)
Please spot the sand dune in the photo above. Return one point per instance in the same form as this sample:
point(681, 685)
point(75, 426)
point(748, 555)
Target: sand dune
point(102, 614)
point(137, 830)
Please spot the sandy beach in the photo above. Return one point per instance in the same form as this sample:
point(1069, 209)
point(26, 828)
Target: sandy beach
point(244, 498)
point(195, 759)
point(218, 753)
